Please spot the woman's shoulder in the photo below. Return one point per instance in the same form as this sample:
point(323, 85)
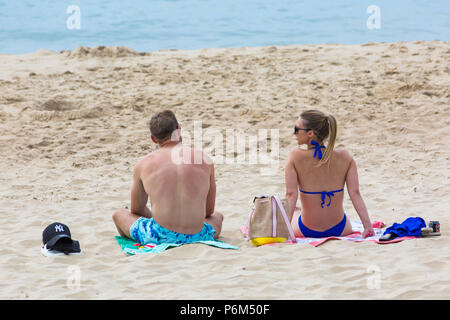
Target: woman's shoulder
point(297, 152)
point(343, 153)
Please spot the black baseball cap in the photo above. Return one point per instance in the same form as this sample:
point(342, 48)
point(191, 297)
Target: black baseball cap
point(56, 236)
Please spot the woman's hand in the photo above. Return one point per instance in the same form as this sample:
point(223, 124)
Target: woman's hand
point(368, 232)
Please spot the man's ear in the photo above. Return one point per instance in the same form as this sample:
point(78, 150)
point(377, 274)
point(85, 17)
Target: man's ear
point(153, 139)
point(176, 134)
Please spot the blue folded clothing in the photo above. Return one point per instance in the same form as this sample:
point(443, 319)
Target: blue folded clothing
point(410, 227)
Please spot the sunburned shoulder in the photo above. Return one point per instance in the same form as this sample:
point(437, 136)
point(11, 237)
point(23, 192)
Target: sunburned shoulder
point(147, 157)
point(202, 157)
point(189, 155)
point(144, 160)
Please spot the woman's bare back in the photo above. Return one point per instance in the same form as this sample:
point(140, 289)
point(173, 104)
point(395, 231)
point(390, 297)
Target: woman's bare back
point(320, 212)
point(320, 178)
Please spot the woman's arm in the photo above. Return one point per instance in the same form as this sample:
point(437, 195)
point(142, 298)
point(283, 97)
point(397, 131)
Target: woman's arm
point(357, 200)
point(291, 184)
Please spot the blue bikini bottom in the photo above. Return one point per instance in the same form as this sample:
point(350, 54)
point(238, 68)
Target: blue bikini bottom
point(333, 231)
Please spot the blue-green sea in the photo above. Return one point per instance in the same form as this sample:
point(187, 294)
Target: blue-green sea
point(150, 25)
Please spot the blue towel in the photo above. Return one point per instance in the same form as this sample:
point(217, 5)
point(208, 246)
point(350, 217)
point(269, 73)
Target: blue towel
point(130, 247)
point(410, 227)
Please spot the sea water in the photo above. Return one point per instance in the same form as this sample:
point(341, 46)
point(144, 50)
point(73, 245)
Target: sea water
point(150, 25)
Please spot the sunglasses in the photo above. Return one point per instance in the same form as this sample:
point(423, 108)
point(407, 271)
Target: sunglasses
point(297, 129)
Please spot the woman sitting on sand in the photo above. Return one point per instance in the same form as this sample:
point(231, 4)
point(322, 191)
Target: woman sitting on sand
point(320, 173)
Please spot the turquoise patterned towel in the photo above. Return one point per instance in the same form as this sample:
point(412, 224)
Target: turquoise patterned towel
point(130, 247)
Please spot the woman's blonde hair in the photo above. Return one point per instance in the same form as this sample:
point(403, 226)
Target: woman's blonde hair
point(324, 126)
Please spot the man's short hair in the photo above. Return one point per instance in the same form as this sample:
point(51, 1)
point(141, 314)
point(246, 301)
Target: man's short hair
point(162, 125)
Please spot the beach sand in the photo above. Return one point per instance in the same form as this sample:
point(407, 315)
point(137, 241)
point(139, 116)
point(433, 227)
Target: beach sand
point(73, 124)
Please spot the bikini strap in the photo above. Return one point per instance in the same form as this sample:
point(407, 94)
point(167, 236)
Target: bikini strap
point(317, 150)
point(328, 194)
point(323, 195)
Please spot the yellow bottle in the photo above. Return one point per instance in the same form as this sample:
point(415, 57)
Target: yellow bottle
point(265, 240)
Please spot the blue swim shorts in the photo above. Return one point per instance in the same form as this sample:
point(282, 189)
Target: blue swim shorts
point(145, 230)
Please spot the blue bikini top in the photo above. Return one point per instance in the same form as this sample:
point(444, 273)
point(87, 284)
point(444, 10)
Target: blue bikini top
point(318, 152)
point(323, 194)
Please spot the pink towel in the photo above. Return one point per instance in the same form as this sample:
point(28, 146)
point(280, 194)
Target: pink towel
point(356, 236)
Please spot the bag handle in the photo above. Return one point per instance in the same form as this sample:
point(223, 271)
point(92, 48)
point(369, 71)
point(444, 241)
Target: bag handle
point(248, 222)
point(285, 217)
point(274, 218)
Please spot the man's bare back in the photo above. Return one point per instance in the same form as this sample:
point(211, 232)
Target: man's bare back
point(181, 186)
point(181, 192)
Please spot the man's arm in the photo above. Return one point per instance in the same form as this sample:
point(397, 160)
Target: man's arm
point(139, 197)
point(291, 184)
point(211, 198)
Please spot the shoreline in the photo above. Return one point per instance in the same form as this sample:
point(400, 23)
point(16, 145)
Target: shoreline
point(100, 47)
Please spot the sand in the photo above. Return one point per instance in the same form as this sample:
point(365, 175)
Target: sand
point(73, 124)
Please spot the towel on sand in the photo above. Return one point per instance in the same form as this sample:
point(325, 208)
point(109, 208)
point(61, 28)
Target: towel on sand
point(356, 236)
point(131, 247)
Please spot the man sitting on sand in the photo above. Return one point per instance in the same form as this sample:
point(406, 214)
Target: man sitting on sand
point(182, 193)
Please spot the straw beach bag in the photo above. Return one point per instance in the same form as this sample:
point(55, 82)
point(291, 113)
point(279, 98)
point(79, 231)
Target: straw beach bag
point(268, 222)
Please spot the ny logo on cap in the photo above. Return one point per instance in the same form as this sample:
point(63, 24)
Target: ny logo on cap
point(59, 228)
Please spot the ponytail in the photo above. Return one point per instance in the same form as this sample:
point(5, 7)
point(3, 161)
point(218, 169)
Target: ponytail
point(324, 126)
point(332, 129)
